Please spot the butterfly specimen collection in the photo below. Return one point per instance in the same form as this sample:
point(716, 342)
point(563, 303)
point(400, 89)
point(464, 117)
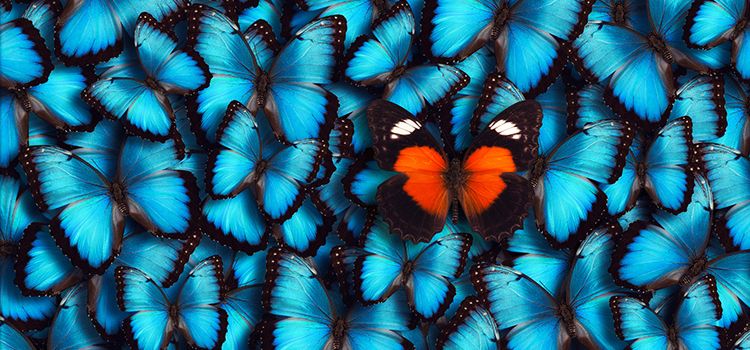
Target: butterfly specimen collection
point(375, 174)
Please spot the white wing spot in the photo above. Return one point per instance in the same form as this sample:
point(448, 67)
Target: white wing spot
point(506, 128)
point(404, 128)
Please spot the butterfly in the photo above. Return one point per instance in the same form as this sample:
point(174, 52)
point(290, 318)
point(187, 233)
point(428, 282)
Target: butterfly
point(674, 250)
point(285, 85)
point(416, 200)
point(637, 68)
point(14, 338)
point(383, 59)
point(424, 270)
point(195, 312)
point(242, 299)
point(579, 309)
point(108, 176)
point(140, 103)
point(737, 96)
point(269, 11)
point(527, 36)
point(71, 326)
point(629, 13)
point(352, 219)
point(727, 172)
point(318, 318)
point(91, 31)
point(353, 104)
point(691, 326)
point(17, 212)
point(711, 23)
point(472, 327)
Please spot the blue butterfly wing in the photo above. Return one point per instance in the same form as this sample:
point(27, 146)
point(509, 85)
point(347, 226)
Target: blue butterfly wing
point(359, 15)
point(379, 325)
point(731, 274)
point(638, 325)
point(727, 172)
point(669, 165)
point(204, 321)
point(633, 13)
point(641, 211)
point(353, 104)
point(436, 263)
point(455, 29)
point(623, 193)
point(304, 323)
point(88, 32)
point(538, 259)
point(588, 106)
point(22, 311)
point(638, 74)
point(594, 154)
point(17, 209)
point(231, 62)
point(27, 61)
point(554, 119)
point(713, 21)
point(737, 133)
point(297, 106)
point(423, 86)
point(696, 316)
point(244, 312)
point(81, 196)
point(147, 324)
point(237, 220)
point(472, 327)
point(376, 273)
point(699, 99)
point(71, 327)
point(741, 55)
point(362, 181)
point(266, 10)
point(305, 231)
point(13, 338)
point(160, 258)
point(590, 287)
point(515, 301)
point(58, 100)
point(165, 200)
point(497, 95)
point(373, 60)
point(11, 134)
point(42, 268)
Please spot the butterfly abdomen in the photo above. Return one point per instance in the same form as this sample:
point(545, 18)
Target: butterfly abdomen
point(658, 44)
point(568, 318)
point(118, 195)
point(500, 19)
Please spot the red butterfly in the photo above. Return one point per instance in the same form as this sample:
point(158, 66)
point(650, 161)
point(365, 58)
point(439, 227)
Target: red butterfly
point(487, 181)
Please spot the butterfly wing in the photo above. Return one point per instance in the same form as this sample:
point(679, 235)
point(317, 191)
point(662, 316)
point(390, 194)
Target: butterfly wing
point(71, 327)
point(423, 86)
point(455, 30)
point(201, 319)
point(298, 107)
point(737, 133)
point(42, 268)
point(498, 93)
point(594, 154)
point(711, 22)
point(305, 231)
point(13, 338)
point(378, 272)
point(587, 105)
point(636, 324)
point(236, 220)
point(697, 315)
point(623, 193)
point(58, 100)
point(701, 98)
point(13, 135)
point(727, 172)
point(149, 325)
point(741, 54)
point(379, 325)
point(472, 327)
point(670, 164)
point(492, 188)
point(404, 145)
point(27, 61)
point(87, 32)
point(731, 271)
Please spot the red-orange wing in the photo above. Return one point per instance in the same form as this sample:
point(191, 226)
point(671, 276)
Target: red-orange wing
point(495, 197)
point(414, 202)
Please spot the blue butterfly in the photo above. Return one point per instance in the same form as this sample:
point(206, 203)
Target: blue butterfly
point(249, 156)
point(692, 326)
point(675, 250)
point(41, 267)
point(109, 177)
point(242, 298)
point(363, 178)
point(27, 61)
point(17, 211)
point(13, 338)
point(140, 103)
point(286, 86)
point(527, 36)
point(712, 23)
point(269, 11)
point(383, 59)
point(352, 219)
point(737, 96)
point(471, 328)
point(579, 309)
point(568, 201)
point(195, 311)
point(71, 327)
point(318, 318)
point(728, 173)
point(424, 270)
point(629, 13)
point(353, 104)
point(637, 66)
point(92, 31)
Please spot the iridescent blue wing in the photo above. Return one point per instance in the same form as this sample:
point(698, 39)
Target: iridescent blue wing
point(517, 302)
point(631, 13)
point(377, 273)
point(727, 172)
point(737, 133)
point(652, 256)
point(731, 272)
point(695, 319)
point(538, 259)
point(638, 325)
point(13, 338)
point(379, 325)
point(472, 327)
point(353, 104)
point(702, 99)
point(12, 135)
point(71, 327)
point(17, 209)
point(270, 11)
point(64, 180)
point(201, 318)
point(362, 181)
point(623, 193)
point(26, 312)
point(555, 117)
point(423, 86)
point(456, 30)
point(26, 61)
point(296, 105)
point(709, 22)
point(58, 100)
point(670, 162)
point(359, 15)
point(373, 60)
point(589, 288)
point(243, 302)
point(498, 93)
point(587, 106)
point(148, 325)
point(305, 231)
point(231, 62)
point(429, 287)
point(741, 55)
point(237, 221)
point(306, 322)
point(162, 200)
point(41, 267)
point(640, 79)
point(568, 201)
